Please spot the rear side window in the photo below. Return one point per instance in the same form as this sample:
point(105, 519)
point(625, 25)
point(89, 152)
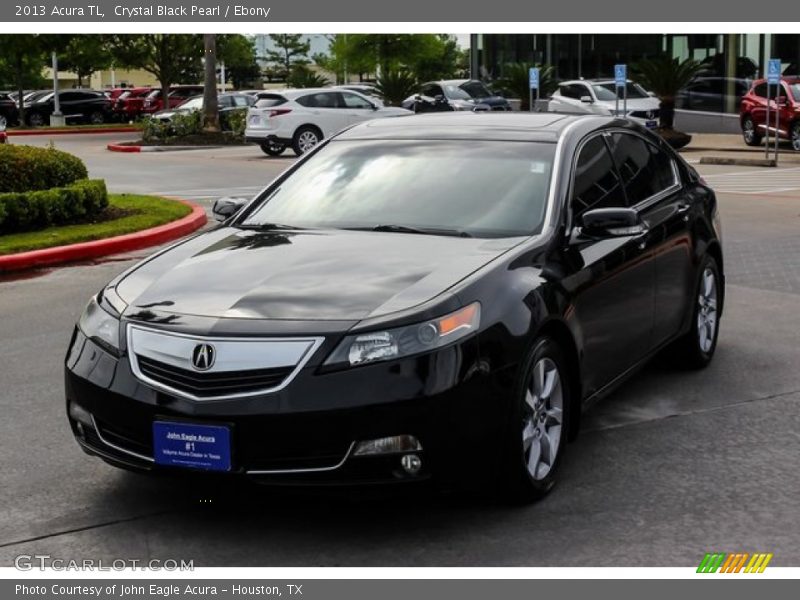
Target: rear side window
point(267, 100)
point(596, 184)
point(645, 170)
point(574, 90)
point(760, 90)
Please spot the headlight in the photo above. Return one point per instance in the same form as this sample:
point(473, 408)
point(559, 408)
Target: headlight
point(405, 341)
point(100, 326)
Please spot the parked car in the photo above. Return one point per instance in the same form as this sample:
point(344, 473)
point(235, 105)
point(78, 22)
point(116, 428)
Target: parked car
point(435, 297)
point(130, 103)
point(227, 102)
point(303, 118)
point(153, 102)
point(753, 114)
point(599, 96)
point(8, 109)
point(712, 94)
point(455, 94)
point(3, 132)
point(88, 106)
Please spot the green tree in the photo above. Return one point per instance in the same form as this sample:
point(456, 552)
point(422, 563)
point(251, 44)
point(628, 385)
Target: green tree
point(22, 59)
point(210, 104)
point(665, 77)
point(290, 51)
point(239, 55)
point(515, 83)
point(85, 54)
point(394, 86)
point(170, 58)
point(303, 77)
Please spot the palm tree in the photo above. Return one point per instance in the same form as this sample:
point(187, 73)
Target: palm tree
point(394, 86)
point(665, 77)
point(303, 77)
point(210, 105)
point(515, 82)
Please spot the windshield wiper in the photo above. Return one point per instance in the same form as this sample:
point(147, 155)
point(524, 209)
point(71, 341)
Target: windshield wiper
point(268, 227)
point(391, 228)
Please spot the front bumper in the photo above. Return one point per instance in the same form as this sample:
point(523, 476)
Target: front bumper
point(306, 433)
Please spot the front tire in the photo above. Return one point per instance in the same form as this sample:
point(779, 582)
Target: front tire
point(696, 348)
point(538, 425)
point(795, 135)
point(97, 118)
point(305, 139)
point(749, 132)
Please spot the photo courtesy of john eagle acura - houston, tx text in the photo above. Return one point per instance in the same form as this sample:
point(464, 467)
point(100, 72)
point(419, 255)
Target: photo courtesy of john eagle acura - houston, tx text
point(426, 298)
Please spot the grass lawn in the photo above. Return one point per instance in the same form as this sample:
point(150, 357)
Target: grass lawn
point(139, 212)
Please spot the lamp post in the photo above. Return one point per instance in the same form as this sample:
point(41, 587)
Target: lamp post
point(56, 119)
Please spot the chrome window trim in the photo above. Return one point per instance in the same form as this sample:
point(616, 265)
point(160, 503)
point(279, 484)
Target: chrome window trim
point(307, 470)
point(119, 448)
point(314, 341)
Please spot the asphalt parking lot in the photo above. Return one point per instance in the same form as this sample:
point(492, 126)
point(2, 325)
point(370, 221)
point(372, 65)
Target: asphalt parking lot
point(673, 465)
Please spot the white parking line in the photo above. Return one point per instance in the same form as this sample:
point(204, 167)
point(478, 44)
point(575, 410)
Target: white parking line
point(756, 182)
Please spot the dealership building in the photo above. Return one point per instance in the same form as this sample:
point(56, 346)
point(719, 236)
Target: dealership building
point(711, 103)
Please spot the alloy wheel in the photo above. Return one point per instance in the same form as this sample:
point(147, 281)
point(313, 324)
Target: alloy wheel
point(707, 310)
point(543, 418)
point(307, 140)
point(748, 131)
point(796, 136)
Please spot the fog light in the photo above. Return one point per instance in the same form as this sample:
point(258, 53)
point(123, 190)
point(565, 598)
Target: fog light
point(81, 415)
point(411, 463)
point(388, 445)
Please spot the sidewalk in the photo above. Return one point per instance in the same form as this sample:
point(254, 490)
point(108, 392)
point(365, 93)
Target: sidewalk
point(732, 146)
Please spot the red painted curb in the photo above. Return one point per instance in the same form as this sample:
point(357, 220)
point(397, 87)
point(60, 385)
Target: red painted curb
point(122, 148)
point(67, 131)
point(115, 245)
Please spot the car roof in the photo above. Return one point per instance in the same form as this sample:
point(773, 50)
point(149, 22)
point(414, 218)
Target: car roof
point(508, 126)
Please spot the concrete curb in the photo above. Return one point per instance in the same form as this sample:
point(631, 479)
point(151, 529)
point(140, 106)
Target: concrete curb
point(115, 245)
point(130, 148)
point(68, 131)
point(741, 162)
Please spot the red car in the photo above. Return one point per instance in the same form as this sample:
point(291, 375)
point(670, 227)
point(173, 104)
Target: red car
point(753, 113)
point(130, 102)
point(178, 94)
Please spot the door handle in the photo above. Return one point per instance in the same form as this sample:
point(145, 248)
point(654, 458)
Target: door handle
point(683, 209)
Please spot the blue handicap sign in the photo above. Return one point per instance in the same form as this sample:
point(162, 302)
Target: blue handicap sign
point(620, 75)
point(533, 78)
point(774, 71)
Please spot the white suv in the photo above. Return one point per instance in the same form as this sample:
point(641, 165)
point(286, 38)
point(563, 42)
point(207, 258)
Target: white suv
point(303, 118)
point(599, 97)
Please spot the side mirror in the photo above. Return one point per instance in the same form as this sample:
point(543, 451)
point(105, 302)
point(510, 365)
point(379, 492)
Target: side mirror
point(225, 208)
point(783, 101)
point(586, 99)
point(611, 222)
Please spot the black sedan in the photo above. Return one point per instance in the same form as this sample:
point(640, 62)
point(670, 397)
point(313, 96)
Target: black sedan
point(87, 106)
point(401, 305)
point(455, 94)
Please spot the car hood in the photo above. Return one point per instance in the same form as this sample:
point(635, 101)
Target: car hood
point(304, 275)
point(392, 111)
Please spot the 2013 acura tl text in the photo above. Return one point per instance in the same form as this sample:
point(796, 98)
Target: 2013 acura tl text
point(434, 297)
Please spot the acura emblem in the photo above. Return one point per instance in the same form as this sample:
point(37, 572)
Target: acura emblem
point(203, 357)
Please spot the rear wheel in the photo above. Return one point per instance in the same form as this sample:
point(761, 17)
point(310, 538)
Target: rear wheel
point(696, 349)
point(35, 119)
point(537, 430)
point(273, 148)
point(796, 136)
point(749, 133)
point(305, 139)
point(97, 118)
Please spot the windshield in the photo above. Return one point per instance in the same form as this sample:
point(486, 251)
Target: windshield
point(487, 189)
point(192, 104)
point(795, 89)
point(476, 89)
point(455, 93)
point(606, 91)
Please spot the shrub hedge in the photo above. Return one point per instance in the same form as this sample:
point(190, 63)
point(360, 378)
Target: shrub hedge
point(28, 211)
point(27, 168)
